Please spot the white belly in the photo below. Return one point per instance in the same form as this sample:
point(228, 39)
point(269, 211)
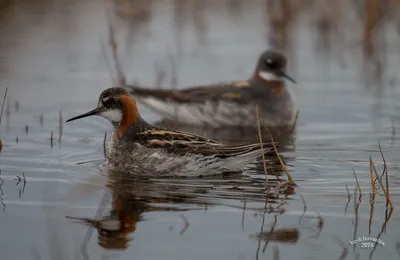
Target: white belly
point(157, 162)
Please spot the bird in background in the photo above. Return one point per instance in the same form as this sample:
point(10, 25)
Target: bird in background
point(231, 104)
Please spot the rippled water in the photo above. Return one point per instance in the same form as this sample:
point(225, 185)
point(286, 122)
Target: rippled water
point(53, 62)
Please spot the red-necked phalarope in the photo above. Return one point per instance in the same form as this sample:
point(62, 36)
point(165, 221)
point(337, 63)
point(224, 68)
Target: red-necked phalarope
point(143, 149)
point(229, 104)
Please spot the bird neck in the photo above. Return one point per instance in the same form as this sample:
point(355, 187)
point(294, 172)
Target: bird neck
point(276, 84)
point(130, 116)
point(128, 132)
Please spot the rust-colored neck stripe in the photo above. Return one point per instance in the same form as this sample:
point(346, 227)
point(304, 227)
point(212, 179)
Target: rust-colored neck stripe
point(276, 86)
point(130, 114)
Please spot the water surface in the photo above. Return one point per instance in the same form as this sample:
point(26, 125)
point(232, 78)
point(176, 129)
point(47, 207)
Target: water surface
point(54, 63)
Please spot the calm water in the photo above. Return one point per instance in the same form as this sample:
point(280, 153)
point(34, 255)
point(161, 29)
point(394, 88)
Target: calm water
point(53, 59)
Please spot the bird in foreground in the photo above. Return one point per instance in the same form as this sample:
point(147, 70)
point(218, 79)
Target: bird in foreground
point(140, 148)
point(231, 104)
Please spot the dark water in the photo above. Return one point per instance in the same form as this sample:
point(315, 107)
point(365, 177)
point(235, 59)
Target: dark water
point(52, 60)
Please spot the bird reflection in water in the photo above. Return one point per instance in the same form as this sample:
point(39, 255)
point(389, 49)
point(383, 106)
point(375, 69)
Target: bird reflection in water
point(131, 197)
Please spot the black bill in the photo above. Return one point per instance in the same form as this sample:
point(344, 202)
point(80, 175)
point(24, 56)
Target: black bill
point(283, 74)
point(93, 112)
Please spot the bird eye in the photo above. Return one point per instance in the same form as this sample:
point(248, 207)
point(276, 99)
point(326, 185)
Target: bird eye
point(108, 101)
point(270, 63)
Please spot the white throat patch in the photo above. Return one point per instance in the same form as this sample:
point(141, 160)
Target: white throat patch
point(113, 115)
point(268, 76)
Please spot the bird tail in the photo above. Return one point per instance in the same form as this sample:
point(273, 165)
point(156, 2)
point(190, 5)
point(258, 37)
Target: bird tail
point(241, 160)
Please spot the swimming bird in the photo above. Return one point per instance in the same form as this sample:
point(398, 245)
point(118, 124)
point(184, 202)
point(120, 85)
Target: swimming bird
point(138, 147)
point(230, 104)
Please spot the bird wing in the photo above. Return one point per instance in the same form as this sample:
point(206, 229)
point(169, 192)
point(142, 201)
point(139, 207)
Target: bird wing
point(184, 143)
point(232, 91)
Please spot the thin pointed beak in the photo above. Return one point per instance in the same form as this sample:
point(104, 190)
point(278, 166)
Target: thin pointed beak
point(93, 112)
point(288, 77)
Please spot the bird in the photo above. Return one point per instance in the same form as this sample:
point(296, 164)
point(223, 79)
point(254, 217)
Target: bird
point(140, 148)
point(229, 104)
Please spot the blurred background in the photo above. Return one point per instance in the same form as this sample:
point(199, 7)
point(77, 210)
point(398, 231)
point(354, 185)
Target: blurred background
point(55, 59)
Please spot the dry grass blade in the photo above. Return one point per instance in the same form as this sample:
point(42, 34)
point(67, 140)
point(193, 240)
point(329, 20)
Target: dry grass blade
point(388, 203)
point(385, 170)
point(290, 180)
point(384, 161)
point(262, 151)
point(371, 177)
point(386, 192)
point(358, 184)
